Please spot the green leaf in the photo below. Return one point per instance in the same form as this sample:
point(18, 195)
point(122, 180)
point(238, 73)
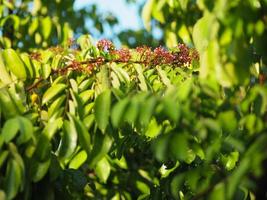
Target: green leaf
point(77, 104)
point(46, 55)
point(153, 129)
point(146, 14)
point(26, 130)
point(46, 27)
point(68, 142)
point(230, 160)
point(4, 75)
point(86, 95)
point(74, 85)
point(101, 146)
point(163, 76)
point(85, 85)
point(171, 108)
point(33, 26)
point(83, 135)
point(204, 30)
point(51, 127)
point(115, 82)
point(176, 186)
point(179, 146)
point(88, 121)
point(10, 129)
point(183, 4)
point(39, 169)
point(218, 192)
point(160, 147)
point(158, 12)
point(235, 177)
point(1, 140)
point(132, 110)
point(85, 41)
point(103, 169)
point(78, 160)
point(55, 168)
point(141, 78)
point(142, 187)
point(56, 61)
point(46, 70)
point(14, 63)
point(147, 110)
point(121, 73)
point(2, 195)
point(56, 105)
point(88, 109)
point(12, 126)
point(17, 157)
point(228, 121)
point(118, 111)
point(13, 179)
point(102, 109)
point(183, 90)
point(53, 91)
point(8, 104)
point(3, 157)
point(102, 80)
point(166, 172)
point(28, 64)
point(43, 149)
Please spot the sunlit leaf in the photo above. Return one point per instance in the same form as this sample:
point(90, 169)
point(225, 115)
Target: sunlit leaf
point(52, 92)
point(14, 63)
point(78, 160)
point(103, 169)
point(146, 13)
point(4, 75)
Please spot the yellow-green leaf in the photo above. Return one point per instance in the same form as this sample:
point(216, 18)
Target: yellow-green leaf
point(52, 92)
point(4, 75)
point(146, 14)
point(46, 27)
point(14, 63)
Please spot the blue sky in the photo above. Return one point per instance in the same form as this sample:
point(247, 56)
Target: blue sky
point(127, 14)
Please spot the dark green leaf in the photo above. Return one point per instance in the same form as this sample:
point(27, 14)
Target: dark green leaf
point(101, 146)
point(102, 109)
point(68, 142)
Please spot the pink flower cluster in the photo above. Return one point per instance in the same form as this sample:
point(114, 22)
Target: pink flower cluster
point(179, 56)
point(162, 56)
point(145, 54)
point(121, 55)
point(182, 55)
point(93, 65)
point(105, 45)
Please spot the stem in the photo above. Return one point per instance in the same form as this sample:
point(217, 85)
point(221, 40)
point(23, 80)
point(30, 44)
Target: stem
point(99, 61)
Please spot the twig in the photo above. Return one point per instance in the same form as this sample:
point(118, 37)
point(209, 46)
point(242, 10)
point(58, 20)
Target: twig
point(35, 84)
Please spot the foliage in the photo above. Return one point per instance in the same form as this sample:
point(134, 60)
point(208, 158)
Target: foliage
point(27, 24)
point(85, 120)
point(230, 36)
